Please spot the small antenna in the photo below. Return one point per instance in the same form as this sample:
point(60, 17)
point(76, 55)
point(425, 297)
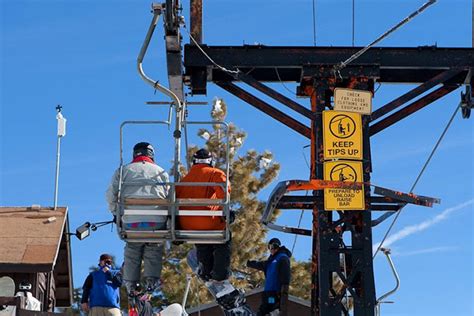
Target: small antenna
point(61, 133)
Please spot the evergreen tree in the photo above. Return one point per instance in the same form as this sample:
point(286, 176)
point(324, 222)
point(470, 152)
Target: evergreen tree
point(300, 285)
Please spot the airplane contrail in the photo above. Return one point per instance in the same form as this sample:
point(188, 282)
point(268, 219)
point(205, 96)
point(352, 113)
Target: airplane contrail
point(424, 251)
point(412, 229)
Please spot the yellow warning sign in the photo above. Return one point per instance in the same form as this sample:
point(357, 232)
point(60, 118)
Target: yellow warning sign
point(342, 135)
point(344, 199)
point(351, 100)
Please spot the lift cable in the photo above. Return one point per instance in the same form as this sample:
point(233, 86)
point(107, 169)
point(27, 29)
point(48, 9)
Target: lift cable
point(353, 22)
point(343, 64)
point(314, 22)
point(299, 224)
point(282, 83)
point(302, 211)
point(417, 179)
point(207, 56)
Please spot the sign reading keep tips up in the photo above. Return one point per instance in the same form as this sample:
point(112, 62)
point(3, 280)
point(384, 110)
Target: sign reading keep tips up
point(342, 135)
point(343, 199)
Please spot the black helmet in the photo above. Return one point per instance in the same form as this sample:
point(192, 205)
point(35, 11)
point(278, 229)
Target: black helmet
point(143, 149)
point(203, 156)
point(25, 286)
point(274, 243)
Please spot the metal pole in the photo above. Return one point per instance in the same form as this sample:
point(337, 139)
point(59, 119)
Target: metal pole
point(61, 133)
point(316, 93)
point(56, 180)
point(186, 292)
point(196, 21)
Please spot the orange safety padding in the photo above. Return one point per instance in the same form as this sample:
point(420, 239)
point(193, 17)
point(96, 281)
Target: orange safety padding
point(202, 173)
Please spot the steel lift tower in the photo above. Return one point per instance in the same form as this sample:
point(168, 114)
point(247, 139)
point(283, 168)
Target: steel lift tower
point(318, 72)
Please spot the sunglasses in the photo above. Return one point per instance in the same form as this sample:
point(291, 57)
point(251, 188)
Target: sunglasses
point(108, 262)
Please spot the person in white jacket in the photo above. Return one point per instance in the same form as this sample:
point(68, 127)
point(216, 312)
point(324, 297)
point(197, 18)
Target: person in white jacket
point(32, 303)
point(141, 178)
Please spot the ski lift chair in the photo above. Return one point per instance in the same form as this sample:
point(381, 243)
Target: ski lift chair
point(136, 212)
point(193, 205)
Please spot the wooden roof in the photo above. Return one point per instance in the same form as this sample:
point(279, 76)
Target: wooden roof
point(30, 238)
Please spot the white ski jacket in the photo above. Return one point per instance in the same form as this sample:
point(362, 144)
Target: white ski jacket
point(139, 180)
point(32, 303)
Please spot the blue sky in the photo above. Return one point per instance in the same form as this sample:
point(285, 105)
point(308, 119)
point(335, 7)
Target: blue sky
point(82, 55)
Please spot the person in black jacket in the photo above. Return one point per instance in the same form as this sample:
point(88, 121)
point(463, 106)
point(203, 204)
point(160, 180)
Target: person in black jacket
point(277, 278)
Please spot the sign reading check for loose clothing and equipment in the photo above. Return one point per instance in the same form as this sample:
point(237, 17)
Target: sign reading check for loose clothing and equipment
point(350, 100)
point(342, 135)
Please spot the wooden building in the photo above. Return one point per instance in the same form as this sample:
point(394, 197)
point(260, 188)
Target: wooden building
point(35, 247)
point(296, 306)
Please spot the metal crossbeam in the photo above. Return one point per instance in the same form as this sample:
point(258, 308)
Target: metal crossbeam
point(412, 108)
point(400, 64)
point(441, 78)
point(306, 202)
point(407, 197)
point(266, 108)
point(276, 95)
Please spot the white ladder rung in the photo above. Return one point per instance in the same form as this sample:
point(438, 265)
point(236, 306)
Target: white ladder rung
point(145, 201)
point(199, 213)
point(145, 212)
point(200, 201)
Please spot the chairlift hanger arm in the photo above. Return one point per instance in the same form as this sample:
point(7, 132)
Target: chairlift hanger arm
point(157, 11)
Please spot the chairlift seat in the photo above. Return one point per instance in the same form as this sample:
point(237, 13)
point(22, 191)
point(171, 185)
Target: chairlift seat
point(202, 236)
point(194, 208)
point(142, 220)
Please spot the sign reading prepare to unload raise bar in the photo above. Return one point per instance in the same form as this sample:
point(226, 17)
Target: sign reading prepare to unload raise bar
point(358, 101)
point(344, 199)
point(342, 135)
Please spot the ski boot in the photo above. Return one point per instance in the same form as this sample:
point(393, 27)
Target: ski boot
point(226, 294)
point(151, 285)
point(206, 277)
point(133, 293)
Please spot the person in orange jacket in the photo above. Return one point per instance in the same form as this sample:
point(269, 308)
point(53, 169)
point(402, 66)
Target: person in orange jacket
point(214, 259)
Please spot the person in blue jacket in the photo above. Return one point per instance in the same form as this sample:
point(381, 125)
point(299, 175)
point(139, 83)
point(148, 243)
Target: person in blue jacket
point(277, 278)
point(101, 290)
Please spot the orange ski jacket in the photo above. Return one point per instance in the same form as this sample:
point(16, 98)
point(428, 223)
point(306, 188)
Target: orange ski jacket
point(202, 173)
